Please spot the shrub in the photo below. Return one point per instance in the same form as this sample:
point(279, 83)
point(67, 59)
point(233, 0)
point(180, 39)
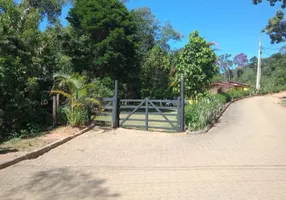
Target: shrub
point(76, 90)
point(236, 94)
point(272, 89)
point(204, 112)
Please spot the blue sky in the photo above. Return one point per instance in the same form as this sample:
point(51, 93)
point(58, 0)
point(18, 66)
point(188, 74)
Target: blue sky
point(234, 26)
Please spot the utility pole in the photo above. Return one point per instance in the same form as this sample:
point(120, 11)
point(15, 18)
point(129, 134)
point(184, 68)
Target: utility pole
point(258, 78)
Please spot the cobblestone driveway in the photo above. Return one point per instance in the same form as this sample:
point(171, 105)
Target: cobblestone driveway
point(244, 157)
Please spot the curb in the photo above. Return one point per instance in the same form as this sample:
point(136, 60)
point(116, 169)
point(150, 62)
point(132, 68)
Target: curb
point(210, 126)
point(38, 152)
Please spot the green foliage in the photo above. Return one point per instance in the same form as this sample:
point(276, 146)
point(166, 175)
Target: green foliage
point(22, 70)
point(77, 92)
point(102, 87)
point(208, 107)
point(270, 89)
point(276, 25)
point(273, 72)
point(276, 28)
point(236, 94)
point(147, 29)
point(104, 31)
point(197, 64)
point(204, 112)
point(155, 74)
point(48, 8)
point(225, 63)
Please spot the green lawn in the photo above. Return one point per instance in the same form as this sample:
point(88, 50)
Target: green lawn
point(142, 117)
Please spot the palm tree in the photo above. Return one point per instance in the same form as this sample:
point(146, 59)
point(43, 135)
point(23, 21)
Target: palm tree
point(75, 89)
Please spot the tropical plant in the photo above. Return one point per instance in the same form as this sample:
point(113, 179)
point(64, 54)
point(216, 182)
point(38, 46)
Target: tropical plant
point(76, 90)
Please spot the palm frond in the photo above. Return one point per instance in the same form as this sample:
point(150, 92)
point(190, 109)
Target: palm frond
point(93, 100)
point(77, 104)
point(63, 93)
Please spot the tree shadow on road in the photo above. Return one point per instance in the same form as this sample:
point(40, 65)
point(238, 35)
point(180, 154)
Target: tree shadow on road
point(5, 150)
point(60, 183)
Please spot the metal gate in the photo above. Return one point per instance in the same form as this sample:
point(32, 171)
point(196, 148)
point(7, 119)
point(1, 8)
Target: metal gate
point(147, 113)
point(151, 114)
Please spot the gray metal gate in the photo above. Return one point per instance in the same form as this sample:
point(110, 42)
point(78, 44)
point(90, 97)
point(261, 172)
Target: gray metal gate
point(146, 113)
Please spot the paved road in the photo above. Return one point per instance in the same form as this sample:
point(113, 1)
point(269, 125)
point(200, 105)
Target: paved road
point(243, 157)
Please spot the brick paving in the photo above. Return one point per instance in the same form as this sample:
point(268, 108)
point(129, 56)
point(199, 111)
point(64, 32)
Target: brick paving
point(243, 157)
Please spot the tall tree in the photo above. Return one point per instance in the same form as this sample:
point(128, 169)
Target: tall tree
point(225, 64)
point(197, 64)
point(151, 32)
point(276, 28)
point(22, 67)
point(167, 33)
point(104, 31)
point(155, 74)
point(240, 60)
point(48, 8)
point(147, 29)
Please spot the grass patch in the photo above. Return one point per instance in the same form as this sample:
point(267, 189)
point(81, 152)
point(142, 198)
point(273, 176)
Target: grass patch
point(142, 117)
point(18, 144)
point(283, 102)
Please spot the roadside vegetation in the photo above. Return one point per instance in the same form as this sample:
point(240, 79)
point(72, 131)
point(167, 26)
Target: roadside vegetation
point(80, 62)
point(208, 107)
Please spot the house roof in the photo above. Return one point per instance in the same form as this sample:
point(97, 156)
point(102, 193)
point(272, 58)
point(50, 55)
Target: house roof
point(229, 84)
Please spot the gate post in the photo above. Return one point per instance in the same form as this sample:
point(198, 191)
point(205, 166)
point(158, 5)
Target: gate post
point(115, 107)
point(179, 114)
point(146, 114)
point(182, 118)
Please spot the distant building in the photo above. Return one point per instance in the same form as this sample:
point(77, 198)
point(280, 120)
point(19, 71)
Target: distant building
point(220, 87)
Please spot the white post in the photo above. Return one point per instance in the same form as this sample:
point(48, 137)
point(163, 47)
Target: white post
point(258, 78)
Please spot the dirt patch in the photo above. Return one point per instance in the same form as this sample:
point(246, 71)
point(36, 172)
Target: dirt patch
point(17, 147)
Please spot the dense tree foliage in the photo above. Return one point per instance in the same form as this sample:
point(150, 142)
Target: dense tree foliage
point(106, 30)
point(155, 74)
point(273, 72)
point(25, 74)
point(276, 27)
point(197, 63)
point(103, 42)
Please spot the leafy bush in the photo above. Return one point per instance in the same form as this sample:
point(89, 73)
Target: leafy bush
point(271, 90)
point(206, 109)
point(236, 94)
point(224, 98)
point(202, 113)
